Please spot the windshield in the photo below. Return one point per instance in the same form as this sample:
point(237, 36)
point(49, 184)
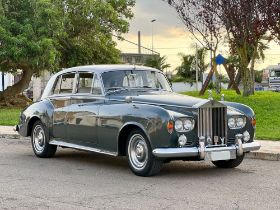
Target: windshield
point(135, 79)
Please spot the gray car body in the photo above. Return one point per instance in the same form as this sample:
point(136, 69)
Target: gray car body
point(103, 122)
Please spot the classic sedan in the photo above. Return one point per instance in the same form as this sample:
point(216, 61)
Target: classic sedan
point(124, 110)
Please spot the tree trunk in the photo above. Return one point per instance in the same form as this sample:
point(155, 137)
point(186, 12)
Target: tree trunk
point(231, 78)
point(11, 97)
point(246, 75)
point(207, 81)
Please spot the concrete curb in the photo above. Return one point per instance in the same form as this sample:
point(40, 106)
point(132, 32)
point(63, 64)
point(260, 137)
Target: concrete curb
point(259, 155)
point(263, 156)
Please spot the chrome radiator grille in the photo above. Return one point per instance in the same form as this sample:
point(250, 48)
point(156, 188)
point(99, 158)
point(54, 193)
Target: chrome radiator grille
point(212, 123)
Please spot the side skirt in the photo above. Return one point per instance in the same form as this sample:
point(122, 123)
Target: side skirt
point(79, 147)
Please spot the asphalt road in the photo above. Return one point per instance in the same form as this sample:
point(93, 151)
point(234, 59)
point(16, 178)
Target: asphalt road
point(81, 180)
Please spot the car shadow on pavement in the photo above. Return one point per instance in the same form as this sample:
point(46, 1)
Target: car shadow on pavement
point(119, 164)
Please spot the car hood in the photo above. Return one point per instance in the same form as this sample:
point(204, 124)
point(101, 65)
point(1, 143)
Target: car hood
point(170, 99)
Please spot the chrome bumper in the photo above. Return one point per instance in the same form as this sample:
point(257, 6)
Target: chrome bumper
point(202, 151)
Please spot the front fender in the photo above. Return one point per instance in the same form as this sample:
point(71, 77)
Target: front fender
point(41, 110)
point(248, 111)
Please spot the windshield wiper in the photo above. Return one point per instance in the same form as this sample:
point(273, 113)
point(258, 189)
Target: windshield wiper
point(115, 90)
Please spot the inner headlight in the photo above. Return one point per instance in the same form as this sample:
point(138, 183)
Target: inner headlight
point(178, 125)
point(188, 124)
point(236, 122)
point(184, 124)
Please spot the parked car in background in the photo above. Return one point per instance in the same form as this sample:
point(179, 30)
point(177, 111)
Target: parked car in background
point(124, 110)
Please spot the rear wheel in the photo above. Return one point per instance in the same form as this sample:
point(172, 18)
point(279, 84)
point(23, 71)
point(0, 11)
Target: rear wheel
point(40, 141)
point(139, 153)
point(229, 163)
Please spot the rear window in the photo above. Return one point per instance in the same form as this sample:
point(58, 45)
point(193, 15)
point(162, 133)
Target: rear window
point(64, 84)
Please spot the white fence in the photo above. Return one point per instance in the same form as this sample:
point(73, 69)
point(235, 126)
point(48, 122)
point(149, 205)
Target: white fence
point(184, 87)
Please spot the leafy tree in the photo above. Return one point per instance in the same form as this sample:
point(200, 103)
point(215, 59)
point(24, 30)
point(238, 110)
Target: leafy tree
point(88, 26)
point(202, 21)
point(201, 64)
point(39, 35)
point(247, 23)
point(186, 70)
point(27, 31)
point(157, 62)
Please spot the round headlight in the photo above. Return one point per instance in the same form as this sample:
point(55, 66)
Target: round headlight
point(178, 125)
point(231, 122)
point(188, 124)
point(240, 122)
point(246, 136)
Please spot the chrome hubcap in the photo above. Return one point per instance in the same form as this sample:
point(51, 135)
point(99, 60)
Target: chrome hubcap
point(38, 139)
point(138, 151)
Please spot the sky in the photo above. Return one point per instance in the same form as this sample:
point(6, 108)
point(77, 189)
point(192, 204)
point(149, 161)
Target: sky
point(170, 34)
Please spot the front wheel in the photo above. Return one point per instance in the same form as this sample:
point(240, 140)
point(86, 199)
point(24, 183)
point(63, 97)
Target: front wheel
point(139, 153)
point(39, 140)
point(229, 163)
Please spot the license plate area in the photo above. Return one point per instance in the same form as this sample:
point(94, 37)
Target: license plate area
point(220, 155)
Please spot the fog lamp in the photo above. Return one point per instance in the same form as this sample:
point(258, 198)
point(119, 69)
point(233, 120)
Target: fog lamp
point(182, 140)
point(246, 136)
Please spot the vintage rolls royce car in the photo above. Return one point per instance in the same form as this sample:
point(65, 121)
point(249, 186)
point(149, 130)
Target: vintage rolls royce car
point(124, 110)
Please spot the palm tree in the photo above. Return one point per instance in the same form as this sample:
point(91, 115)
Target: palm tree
point(157, 62)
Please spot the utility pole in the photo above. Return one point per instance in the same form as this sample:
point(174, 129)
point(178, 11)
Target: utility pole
point(196, 67)
point(152, 21)
point(139, 42)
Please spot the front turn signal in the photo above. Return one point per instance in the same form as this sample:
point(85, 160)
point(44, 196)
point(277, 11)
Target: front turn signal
point(254, 122)
point(170, 126)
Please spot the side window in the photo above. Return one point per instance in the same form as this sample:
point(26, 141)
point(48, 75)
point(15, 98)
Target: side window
point(96, 89)
point(85, 83)
point(67, 81)
point(56, 87)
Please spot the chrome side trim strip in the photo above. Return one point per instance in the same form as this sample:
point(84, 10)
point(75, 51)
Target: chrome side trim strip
point(79, 147)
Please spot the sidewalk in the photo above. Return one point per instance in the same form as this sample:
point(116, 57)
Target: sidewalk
point(270, 150)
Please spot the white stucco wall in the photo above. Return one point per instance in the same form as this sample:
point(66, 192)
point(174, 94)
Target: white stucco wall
point(8, 81)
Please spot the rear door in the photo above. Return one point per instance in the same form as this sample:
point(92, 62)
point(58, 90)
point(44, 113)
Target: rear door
point(82, 116)
point(61, 101)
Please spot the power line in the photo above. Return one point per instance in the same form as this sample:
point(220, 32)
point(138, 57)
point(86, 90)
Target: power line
point(146, 48)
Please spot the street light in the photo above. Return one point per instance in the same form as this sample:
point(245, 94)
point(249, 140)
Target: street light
point(152, 21)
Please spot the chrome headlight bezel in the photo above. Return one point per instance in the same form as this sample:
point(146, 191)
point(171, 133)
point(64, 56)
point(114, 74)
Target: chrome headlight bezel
point(184, 124)
point(236, 122)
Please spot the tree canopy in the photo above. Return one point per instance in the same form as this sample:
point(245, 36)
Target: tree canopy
point(243, 24)
point(37, 35)
point(158, 62)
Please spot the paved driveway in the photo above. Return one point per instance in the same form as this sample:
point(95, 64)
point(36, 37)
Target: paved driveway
point(80, 180)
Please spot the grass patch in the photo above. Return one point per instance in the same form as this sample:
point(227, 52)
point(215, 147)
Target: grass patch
point(266, 105)
point(9, 116)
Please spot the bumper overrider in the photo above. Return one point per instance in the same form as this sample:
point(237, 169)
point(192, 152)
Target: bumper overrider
point(207, 152)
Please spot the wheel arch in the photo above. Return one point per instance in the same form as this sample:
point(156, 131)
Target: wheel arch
point(123, 134)
point(31, 123)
